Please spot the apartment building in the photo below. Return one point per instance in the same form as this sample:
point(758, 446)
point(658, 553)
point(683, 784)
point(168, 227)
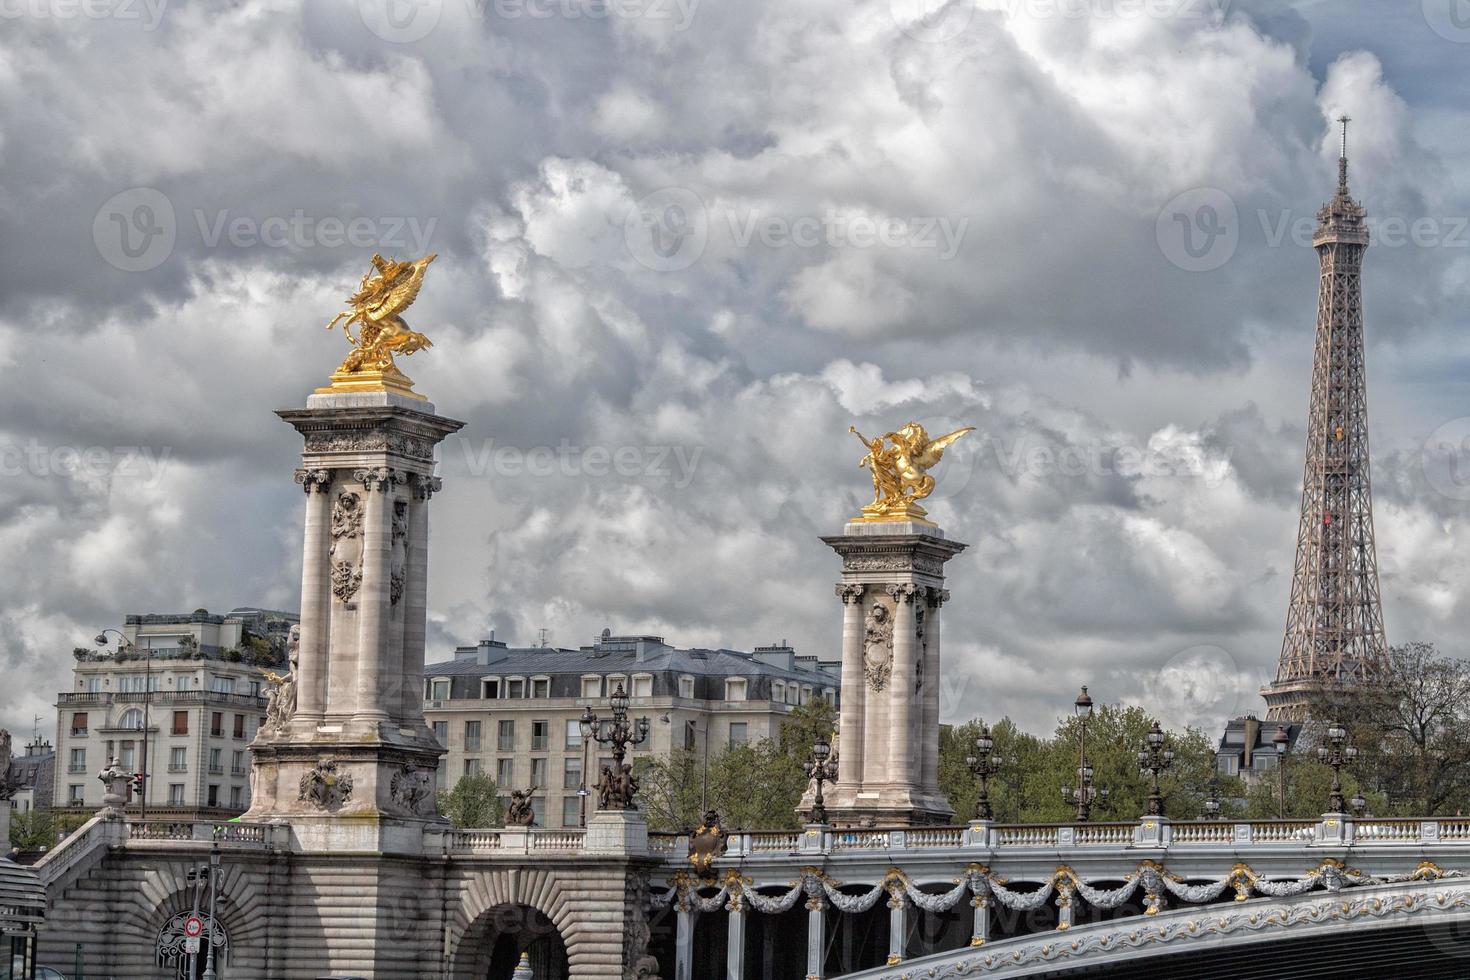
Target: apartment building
point(514, 713)
point(187, 689)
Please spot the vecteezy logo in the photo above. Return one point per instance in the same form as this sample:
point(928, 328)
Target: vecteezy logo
point(932, 21)
point(400, 21)
point(1446, 459)
point(1450, 19)
point(1199, 229)
point(667, 230)
point(135, 230)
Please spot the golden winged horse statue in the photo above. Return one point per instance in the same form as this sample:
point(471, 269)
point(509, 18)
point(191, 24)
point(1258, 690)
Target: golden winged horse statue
point(900, 470)
point(376, 307)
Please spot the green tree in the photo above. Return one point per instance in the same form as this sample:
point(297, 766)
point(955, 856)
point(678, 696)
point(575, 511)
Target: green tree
point(32, 830)
point(799, 730)
point(754, 786)
point(473, 802)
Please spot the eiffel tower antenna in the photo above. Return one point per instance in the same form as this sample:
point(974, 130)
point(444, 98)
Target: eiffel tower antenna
point(1334, 620)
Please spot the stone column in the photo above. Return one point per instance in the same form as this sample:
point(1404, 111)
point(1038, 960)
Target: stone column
point(854, 689)
point(684, 944)
point(902, 745)
point(897, 927)
point(980, 932)
point(929, 723)
point(373, 598)
point(735, 942)
point(415, 599)
point(816, 939)
point(316, 580)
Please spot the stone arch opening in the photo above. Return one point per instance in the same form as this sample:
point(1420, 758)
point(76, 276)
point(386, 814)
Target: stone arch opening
point(171, 948)
point(493, 944)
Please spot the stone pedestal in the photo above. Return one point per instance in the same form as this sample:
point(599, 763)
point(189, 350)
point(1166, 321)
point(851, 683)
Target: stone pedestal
point(623, 833)
point(354, 763)
point(892, 590)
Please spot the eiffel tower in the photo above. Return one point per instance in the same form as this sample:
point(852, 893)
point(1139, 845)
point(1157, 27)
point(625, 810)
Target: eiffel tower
point(1334, 623)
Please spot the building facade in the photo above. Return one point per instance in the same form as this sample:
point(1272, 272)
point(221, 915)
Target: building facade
point(186, 689)
point(513, 713)
point(32, 776)
point(1248, 747)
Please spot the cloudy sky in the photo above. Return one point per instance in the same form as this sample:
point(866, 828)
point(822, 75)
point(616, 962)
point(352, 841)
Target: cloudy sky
point(682, 246)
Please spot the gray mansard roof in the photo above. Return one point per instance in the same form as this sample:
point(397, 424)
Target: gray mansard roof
point(629, 655)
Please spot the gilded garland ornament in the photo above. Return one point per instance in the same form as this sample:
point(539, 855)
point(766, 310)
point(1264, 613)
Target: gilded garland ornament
point(376, 310)
point(899, 463)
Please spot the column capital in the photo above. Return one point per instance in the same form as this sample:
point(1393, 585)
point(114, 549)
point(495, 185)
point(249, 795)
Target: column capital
point(904, 592)
point(377, 478)
point(849, 594)
point(311, 479)
point(425, 487)
point(936, 597)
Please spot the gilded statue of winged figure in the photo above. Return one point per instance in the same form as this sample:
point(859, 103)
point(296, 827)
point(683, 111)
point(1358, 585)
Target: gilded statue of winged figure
point(376, 307)
point(901, 468)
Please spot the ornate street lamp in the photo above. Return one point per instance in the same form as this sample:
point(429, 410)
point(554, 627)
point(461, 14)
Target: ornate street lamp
point(1212, 802)
point(1153, 759)
point(1084, 794)
point(1282, 741)
point(1359, 804)
point(984, 764)
point(123, 643)
point(617, 786)
point(1336, 753)
point(822, 768)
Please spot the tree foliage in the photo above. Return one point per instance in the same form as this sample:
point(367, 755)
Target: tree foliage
point(473, 802)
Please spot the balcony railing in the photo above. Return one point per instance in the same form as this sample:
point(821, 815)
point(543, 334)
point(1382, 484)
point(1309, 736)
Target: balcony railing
point(73, 698)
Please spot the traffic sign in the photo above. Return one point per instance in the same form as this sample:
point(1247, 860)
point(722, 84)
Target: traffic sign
point(191, 945)
point(193, 927)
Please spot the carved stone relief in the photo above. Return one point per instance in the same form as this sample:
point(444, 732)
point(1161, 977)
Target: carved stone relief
point(346, 549)
point(324, 787)
point(370, 441)
point(398, 565)
point(878, 645)
point(411, 787)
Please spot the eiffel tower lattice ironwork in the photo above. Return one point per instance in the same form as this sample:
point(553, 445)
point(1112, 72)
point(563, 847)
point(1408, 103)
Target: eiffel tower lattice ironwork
point(1334, 623)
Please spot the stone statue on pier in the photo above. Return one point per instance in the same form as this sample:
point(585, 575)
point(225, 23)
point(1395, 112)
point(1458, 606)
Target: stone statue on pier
point(900, 470)
point(520, 813)
point(280, 702)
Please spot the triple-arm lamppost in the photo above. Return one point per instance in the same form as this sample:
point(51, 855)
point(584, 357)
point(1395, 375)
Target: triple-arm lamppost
point(1336, 753)
point(1084, 794)
point(984, 764)
point(618, 734)
point(123, 643)
point(1153, 759)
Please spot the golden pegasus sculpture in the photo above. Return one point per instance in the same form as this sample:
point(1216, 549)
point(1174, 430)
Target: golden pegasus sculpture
point(376, 307)
point(900, 471)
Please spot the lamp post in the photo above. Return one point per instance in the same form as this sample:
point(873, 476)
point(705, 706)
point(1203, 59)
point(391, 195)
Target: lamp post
point(1336, 753)
point(214, 872)
point(1084, 794)
point(1282, 741)
point(822, 768)
point(1212, 802)
point(1153, 759)
point(1359, 804)
point(125, 643)
point(984, 764)
point(618, 735)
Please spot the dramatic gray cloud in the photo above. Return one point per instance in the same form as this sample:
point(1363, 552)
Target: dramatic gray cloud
point(683, 245)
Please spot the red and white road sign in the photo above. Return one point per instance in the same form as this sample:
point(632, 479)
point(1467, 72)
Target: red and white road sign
point(193, 927)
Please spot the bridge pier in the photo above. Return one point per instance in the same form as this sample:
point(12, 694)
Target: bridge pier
point(816, 939)
point(735, 941)
point(683, 943)
point(897, 927)
point(980, 933)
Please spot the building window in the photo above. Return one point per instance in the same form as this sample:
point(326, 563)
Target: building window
point(213, 795)
point(739, 733)
point(591, 687)
point(136, 683)
point(216, 723)
point(686, 687)
point(538, 810)
point(79, 723)
point(572, 774)
point(182, 682)
point(806, 694)
point(778, 691)
point(221, 685)
point(254, 688)
point(515, 688)
point(175, 794)
point(235, 798)
point(505, 736)
point(571, 811)
point(132, 718)
point(239, 726)
point(490, 689)
point(616, 681)
point(125, 756)
point(574, 733)
point(74, 794)
point(540, 687)
point(791, 694)
point(472, 767)
point(216, 764)
point(237, 763)
point(540, 735)
point(505, 773)
point(643, 686)
point(181, 723)
point(78, 761)
point(691, 730)
point(94, 685)
point(538, 772)
point(735, 688)
point(439, 689)
point(441, 778)
point(472, 736)
point(441, 733)
point(178, 759)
